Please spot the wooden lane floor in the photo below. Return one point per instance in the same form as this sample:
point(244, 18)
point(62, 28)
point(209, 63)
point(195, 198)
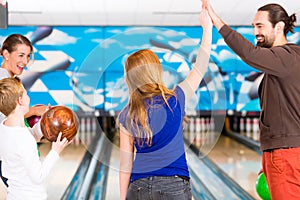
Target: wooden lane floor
point(239, 162)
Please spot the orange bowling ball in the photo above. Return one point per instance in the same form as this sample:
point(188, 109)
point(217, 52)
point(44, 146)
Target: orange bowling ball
point(59, 119)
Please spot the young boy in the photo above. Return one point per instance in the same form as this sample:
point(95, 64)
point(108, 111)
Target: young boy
point(23, 172)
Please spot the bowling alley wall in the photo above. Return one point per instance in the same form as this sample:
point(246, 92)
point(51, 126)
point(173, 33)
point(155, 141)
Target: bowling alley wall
point(82, 67)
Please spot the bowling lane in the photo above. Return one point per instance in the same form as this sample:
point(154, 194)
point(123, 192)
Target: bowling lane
point(112, 190)
point(70, 159)
point(239, 162)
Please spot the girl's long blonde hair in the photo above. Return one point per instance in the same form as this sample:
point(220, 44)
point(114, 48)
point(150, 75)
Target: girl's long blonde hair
point(143, 74)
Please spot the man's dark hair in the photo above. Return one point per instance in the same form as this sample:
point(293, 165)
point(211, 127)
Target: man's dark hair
point(277, 13)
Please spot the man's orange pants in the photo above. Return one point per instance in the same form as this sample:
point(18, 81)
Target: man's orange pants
point(282, 170)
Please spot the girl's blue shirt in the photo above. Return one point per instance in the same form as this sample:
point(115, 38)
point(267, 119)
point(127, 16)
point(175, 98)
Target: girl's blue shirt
point(166, 155)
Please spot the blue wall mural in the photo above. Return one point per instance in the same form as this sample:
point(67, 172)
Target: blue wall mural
point(82, 67)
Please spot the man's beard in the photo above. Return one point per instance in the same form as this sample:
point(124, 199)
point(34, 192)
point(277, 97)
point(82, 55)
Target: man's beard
point(266, 43)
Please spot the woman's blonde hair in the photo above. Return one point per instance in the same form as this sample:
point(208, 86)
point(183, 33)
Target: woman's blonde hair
point(144, 77)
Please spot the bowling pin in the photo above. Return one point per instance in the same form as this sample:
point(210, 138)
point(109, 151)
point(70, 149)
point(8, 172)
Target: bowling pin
point(197, 132)
point(94, 127)
point(88, 131)
point(255, 128)
point(82, 128)
point(242, 125)
point(191, 129)
point(198, 124)
point(248, 127)
point(212, 124)
point(203, 125)
point(192, 125)
point(88, 124)
point(207, 124)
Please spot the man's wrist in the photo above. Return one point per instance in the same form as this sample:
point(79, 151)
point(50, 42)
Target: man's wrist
point(218, 23)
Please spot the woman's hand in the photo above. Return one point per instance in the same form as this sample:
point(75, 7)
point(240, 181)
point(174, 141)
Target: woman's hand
point(205, 20)
point(37, 110)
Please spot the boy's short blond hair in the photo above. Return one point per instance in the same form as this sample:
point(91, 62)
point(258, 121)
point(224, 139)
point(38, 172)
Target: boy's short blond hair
point(10, 91)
